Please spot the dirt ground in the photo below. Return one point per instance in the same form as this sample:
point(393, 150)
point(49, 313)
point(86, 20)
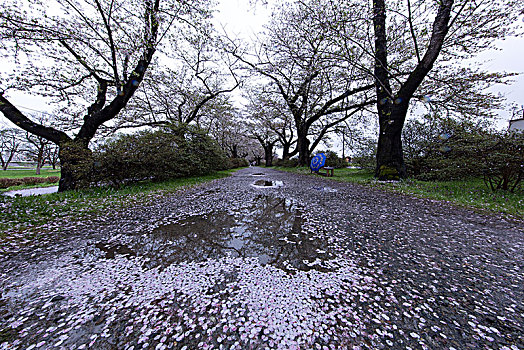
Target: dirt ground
point(270, 260)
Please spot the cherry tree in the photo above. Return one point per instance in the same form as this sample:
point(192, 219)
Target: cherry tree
point(302, 62)
point(89, 57)
point(10, 142)
point(426, 41)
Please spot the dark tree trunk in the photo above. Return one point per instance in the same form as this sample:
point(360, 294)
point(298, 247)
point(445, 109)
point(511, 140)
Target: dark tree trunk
point(303, 148)
point(390, 157)
point(285, 151)
point(76, 162)
point(5, 164)
point(268, 154)
point(234, 151)
point(40, 159)
point(393, 107)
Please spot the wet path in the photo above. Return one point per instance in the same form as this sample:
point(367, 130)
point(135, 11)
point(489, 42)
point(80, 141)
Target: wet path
point(271, 261)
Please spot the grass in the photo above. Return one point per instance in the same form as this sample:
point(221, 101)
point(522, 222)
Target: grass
point(471, 193)
point(28, 215)
point(18, 174)
point(27, 172)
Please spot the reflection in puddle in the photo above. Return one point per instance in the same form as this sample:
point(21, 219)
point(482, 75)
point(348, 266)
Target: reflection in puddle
point(269, 228)
point(268, 183)
point(258, 174)
point(111, 250)
point(325, 189)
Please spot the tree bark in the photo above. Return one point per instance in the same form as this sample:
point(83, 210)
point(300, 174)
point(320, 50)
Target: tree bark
point(390, 156)
point(76, 161)
point(393, 107)
point(268, 153)
point(285, 151)
point(303, 147)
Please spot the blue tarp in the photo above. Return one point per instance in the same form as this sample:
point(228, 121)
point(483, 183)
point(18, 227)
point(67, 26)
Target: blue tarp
point(318, 162)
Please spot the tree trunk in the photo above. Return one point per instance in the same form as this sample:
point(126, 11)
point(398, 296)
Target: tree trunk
point(393, 107)
point(234, 151)
point(76, 161)
point(390, 157)
point(285, 151)
point(39, 160)
point(303, 148)
point(268, 154)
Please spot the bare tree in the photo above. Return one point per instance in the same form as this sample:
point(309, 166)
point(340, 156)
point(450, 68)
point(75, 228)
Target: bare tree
point(194, 85)
point(51, 155)
point(299, 59)
point(412, 57)
point(10, 143)
point(459, 29)
point(270, 122)
point(91, 53)
point(37, 147)
point(232, 134)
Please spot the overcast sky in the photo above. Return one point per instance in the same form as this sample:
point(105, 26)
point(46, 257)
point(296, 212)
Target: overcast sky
point(242, 19)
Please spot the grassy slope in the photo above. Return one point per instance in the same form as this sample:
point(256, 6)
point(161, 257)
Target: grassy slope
point(27, 214)
point(17, 174)
point(21, 173)
point(470, 193)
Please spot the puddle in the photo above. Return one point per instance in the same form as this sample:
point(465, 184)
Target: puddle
point(258, 174)
point(269, 229)
point(32, 191)
point(111, 250)
point(325, 189)
point(138, 295)
point(268, 183)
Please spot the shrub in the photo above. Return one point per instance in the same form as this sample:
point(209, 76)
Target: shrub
point(5, 182)
point(234, 163)
point(449, 149)
point(157, 155)
point(503, 161)
point(29, 181)
point(365, 154)
point(334, 161)
point(287, 163)
point(444, 149)
point(52, 179)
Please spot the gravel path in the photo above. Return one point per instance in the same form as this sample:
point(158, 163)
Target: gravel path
point(304, 263)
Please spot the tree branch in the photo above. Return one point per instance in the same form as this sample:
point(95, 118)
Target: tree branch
point(14, 115)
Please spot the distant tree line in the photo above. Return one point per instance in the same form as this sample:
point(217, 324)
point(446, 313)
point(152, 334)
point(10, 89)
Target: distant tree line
point(17, 145)
point(318, 64)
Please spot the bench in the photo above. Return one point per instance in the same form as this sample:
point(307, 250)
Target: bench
point(329, 171)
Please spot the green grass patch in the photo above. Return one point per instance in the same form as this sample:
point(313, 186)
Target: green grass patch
point(471, 193)
point(28, 214)
point(20, 173)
